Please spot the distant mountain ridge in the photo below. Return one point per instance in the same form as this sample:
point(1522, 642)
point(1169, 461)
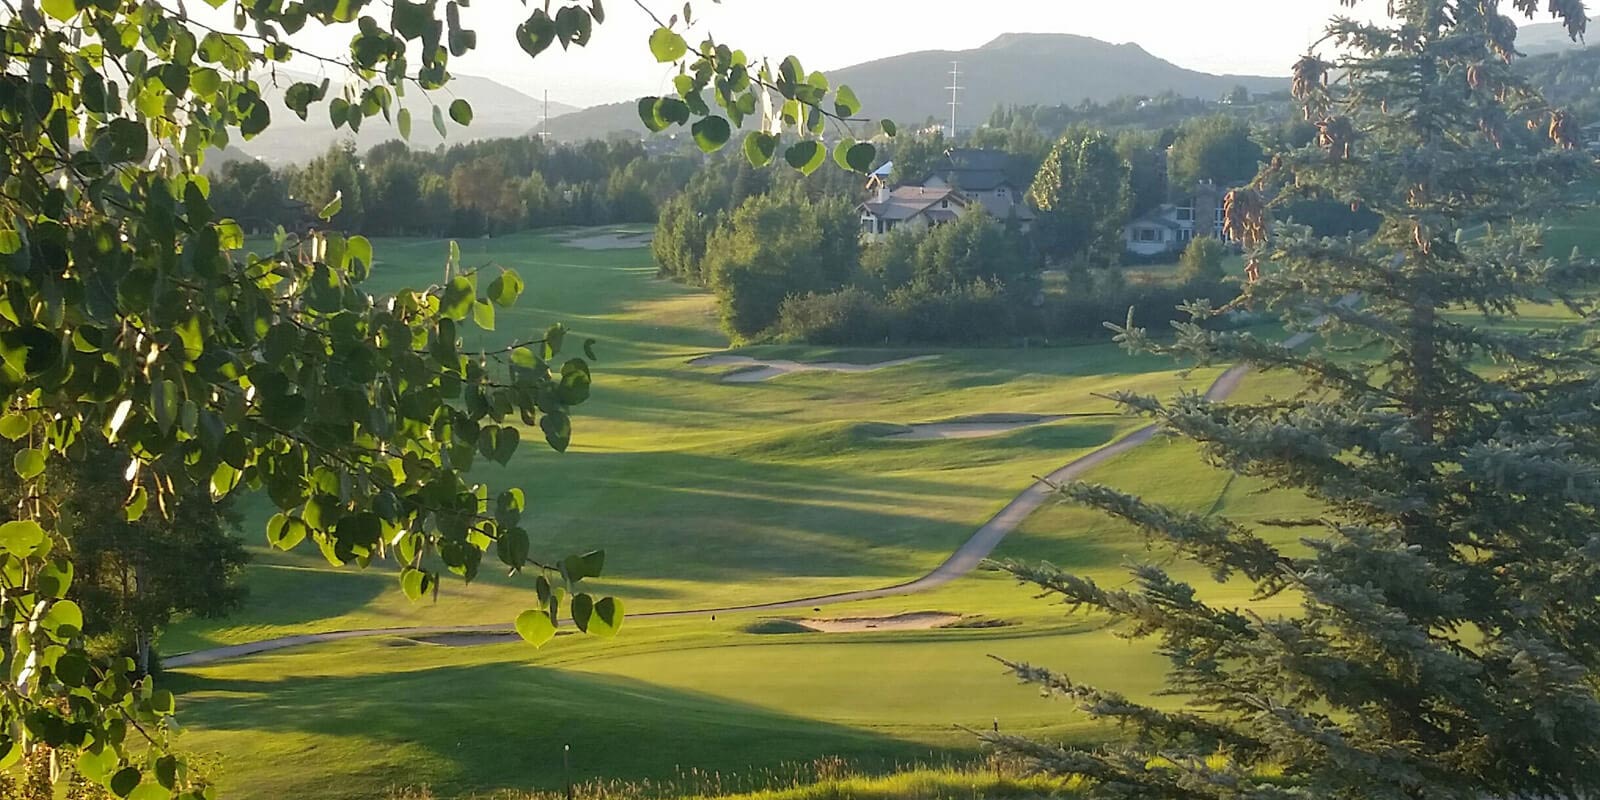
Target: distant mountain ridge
point(1551, 37)
point(1014, 69)
point(499, 111)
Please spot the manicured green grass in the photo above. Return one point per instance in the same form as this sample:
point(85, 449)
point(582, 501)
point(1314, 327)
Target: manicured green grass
point(705, 493)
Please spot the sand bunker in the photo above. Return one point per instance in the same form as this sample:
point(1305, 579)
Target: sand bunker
point(917, 621)
point(612, 241)
point(758, 370)
point(973, 427)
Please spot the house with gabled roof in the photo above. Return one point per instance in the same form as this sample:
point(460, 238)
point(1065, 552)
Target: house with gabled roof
point(967, 179)
point(1169, 227)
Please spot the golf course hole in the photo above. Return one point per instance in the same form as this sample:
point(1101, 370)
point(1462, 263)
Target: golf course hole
point(753, 370)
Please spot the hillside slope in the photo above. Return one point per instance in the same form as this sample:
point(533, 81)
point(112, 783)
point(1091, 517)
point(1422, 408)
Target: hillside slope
point(1018, 69)
point(498, 112)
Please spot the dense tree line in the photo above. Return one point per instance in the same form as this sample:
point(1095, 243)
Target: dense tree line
point(487, 187)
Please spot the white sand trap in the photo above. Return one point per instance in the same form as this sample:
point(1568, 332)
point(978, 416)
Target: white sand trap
point(918, 621)
point(612, 241)
point(973, 427)
point(759, 370)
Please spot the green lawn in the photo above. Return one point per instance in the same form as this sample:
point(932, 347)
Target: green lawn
point(707, 493)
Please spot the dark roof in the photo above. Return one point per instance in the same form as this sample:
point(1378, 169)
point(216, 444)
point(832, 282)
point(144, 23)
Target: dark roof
point(977, 180)
point(906, 202)
point(972, 158)
point(1156, 218)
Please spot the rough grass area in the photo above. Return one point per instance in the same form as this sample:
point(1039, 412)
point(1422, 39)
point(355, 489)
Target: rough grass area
point(916, 783)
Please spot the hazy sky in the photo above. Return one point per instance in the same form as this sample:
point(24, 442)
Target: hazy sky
point(1261, 37)
point(1239, 36)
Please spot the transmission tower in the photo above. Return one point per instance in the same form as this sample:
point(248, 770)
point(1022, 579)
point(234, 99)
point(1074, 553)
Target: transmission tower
point(955, 88)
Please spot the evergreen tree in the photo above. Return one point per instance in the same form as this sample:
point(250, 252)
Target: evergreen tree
point(1447, 639)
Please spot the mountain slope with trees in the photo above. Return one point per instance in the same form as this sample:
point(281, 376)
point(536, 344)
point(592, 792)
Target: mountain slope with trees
point(1014, 69)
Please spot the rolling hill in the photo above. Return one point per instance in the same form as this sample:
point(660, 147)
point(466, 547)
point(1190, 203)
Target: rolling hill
point(1548, 37)
point(499, 112)
point(1013, 69)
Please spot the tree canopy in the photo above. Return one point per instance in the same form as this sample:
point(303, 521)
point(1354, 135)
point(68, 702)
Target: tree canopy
point(1443, 640)
point(132, 317)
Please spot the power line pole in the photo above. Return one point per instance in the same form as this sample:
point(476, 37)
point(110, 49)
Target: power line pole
point(955, 88)
point(544, 126)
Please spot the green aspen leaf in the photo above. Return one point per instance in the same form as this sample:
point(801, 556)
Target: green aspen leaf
point(807, 156)
point(165, 401)
point(332, 208)
point(760, 148)
point(536, 627)
point(588, 565)
point(60, 10)
point(358, 248)
point(162, 702)
point(554, 337)
point(512, 548)
point(456, 301)
point(29, 462)
point(505, 445)
point(582, 610)
point(841, 153)
point(509, 507)
point(483, 314)
point(150, 791)
point(859, 157)
point(575, 382)
point(224, 479)
point(229, 235)
point(125, 781)
point(404, 123)
point(55, 578)
point(415, 583)
point(14, 426)
point(711, 133)
point(537, 33)
point(21, 537)
point(96, 763)
point(461, 112)
point(284, 532)
point(133, 510)
point(10, 752)
point(606, 618)
point(649, 115)
point(506, 288)
point(889, 128)
point(845, 103)
point(62, 621)
point(438, 121)
point(557, 429)
point(667, 45)
point(588, 350)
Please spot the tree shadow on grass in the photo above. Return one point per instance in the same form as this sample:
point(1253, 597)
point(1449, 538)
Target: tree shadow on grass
point(503, 725)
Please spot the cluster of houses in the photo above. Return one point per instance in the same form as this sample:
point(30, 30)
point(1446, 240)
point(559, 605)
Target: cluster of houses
point(969, 179)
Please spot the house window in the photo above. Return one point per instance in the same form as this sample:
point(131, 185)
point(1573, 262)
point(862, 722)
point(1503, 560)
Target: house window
point(1221, 221)
point(1000, 192)
point(944, 203)
point(1185, 213)
point(1185, 234)
point(1147, 234)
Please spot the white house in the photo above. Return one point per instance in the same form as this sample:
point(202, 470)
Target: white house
point(911, 207)
point(966, 179)
point(1170, 227)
